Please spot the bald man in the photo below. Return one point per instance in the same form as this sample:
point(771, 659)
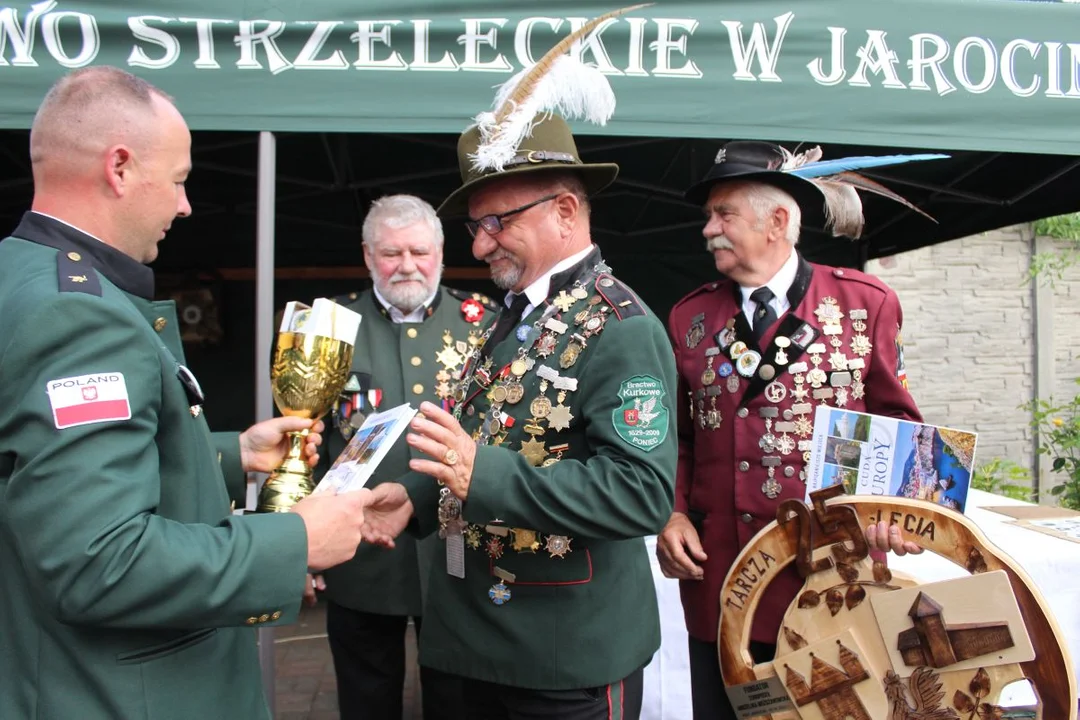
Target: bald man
point(127, 588)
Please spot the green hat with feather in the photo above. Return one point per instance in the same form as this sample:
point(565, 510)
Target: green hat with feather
point(527, 132)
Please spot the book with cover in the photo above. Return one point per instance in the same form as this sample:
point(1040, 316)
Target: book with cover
point(877, 455)
point(368, 446)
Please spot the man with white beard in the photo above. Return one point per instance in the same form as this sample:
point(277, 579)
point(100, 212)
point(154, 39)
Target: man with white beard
point(413, 339)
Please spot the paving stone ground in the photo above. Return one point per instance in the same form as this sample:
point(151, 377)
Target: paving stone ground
point(305, 687)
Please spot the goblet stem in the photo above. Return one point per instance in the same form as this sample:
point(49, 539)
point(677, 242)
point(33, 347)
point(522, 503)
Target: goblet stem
point(291, 481)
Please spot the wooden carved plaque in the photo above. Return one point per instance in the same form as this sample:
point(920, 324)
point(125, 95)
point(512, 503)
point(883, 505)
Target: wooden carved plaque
point(841, 592)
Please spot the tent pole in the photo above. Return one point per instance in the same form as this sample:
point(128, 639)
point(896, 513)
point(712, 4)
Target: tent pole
point(264, 340)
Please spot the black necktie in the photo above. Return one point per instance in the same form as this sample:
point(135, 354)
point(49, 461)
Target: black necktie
point(508, 318)
point(764, 315)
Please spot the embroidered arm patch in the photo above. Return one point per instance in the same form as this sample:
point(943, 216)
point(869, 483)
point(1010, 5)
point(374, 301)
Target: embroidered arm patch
point(88, 399)
point(641, 419)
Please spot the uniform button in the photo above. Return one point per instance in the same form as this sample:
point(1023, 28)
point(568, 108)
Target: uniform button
point(160, 324)
point(838, 272)
point(276, 615)
point(411, 332)
point(263, 618)
point(418, 389)
point(74, 257)
point(746, 517)
point(743, 412)
point(744, 466)
point(415, 361)
point(252, 620)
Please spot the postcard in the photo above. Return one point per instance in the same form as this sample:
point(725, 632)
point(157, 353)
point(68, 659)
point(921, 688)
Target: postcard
point(877, 455)
point(368, 446)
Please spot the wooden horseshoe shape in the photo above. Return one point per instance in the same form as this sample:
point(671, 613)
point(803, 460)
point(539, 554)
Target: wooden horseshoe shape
point(939, 686)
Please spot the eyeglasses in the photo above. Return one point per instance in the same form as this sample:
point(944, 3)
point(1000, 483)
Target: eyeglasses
point(492, 224)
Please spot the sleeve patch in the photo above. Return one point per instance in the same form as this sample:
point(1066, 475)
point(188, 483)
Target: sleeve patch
point(88, 399)
point(641, 419)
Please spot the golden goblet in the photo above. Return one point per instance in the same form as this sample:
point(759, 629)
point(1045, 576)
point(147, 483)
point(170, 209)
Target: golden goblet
point(308, 373)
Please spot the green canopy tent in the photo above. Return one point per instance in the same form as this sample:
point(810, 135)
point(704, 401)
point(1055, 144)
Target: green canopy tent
point(304, 112)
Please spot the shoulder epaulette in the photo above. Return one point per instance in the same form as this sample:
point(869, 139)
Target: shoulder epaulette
point(346, 298)
point(463, 295)
point(74, 273)
point(859, 277)
point(621, 298)
point(706, 288)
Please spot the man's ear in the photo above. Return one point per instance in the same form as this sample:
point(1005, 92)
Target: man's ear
point(778, 224)
point(567, 206)
point(119, 162)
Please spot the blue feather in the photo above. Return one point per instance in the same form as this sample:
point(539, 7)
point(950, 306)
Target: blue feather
point(824, 168)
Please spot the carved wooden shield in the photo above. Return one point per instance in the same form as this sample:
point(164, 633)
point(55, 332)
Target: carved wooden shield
point(864, 643)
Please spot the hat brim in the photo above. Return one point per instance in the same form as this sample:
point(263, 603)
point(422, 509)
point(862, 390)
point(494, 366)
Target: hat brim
point(810, 199)
point(595, 177)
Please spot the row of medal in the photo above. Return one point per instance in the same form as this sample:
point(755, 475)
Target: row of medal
point(811, 382)
point(505, 389)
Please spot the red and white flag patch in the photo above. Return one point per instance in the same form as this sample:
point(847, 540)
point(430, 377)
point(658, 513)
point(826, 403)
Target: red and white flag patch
point(88, 399)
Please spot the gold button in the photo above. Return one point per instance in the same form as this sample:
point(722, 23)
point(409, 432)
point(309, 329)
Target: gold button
point(74, 256)
point(252, 620)
point(411, 332)
point(276, 615)
point(160, 324)
point(416, 361)
point(418, 389)
point(263, 618)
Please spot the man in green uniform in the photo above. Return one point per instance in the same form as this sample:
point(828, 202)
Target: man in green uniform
point(414, 337)
point(128, 589)
point(558, 458)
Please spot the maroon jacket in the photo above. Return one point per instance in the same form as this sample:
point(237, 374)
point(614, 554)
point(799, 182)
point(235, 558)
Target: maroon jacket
point(725, 448)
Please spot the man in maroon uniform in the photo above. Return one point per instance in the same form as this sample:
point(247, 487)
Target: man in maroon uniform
point(757, 351)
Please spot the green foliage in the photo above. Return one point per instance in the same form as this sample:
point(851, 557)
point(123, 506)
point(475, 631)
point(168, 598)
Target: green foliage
point(1058, 428)
point(1050, 267)
point(1004, 477)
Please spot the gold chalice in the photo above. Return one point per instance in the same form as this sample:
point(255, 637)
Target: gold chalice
point(308, 373)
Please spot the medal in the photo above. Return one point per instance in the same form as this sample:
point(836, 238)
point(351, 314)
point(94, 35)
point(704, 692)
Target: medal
point(472, 536)
point(708, 377)
point(771, 487)
point(558, 546)
point(696, 331)
point(725, 370)
point(472, 310)
point(572, 351)
point(775, 392)
point(494, 548)
point(747, 363)
point(515, 391)
point(563, 301)
point(733, 384)
point(738, 348)
point(499, 593)
point(522, 333)
point(524, 540)
point(559, 418)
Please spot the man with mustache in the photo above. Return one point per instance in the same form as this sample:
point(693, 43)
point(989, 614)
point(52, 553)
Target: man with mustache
point(412, 341)
point(756, 352)
point(555, 462)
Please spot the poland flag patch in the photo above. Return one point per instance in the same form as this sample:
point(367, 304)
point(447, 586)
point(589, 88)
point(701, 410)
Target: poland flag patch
point(88, 399)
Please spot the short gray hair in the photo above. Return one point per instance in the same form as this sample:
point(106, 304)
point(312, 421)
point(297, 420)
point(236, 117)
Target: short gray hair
point(87, 105)
point(399, 211)
point(764, 199)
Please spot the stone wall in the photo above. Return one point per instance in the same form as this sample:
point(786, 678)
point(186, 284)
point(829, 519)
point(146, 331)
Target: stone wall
point(968, 335)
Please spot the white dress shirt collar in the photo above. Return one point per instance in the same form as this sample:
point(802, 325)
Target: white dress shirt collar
point(398, 317)
point(540, 288)
point(780, 283)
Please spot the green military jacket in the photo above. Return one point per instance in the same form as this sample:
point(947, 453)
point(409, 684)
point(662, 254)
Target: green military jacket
point(574, 417)
point(397, 363)
point(127, 588)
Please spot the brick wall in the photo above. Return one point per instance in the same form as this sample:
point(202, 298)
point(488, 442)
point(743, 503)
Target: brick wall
point(968, 335)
